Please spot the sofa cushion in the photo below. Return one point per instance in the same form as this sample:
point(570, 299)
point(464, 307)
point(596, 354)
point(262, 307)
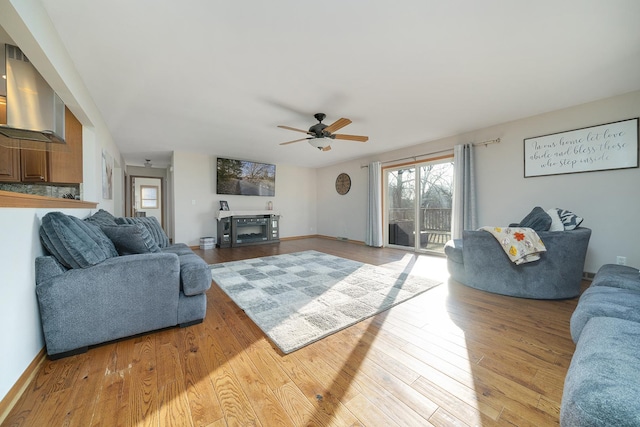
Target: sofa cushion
point(603, 382)
point(537, 219)
point(73, 242)
point(604, 301)
point(556, 222)
point(570, 220)
point(617, 276)
point(152, 224)
point(178, 249)
point(131, 239)
point(102, 217)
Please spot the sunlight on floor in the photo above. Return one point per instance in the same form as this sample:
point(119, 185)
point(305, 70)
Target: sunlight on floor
point(433, 337)
point(433, 267)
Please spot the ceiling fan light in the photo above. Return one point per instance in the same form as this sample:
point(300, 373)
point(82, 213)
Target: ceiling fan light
point(320, 143)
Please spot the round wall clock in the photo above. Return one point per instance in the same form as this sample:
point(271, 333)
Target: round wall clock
point(343, 183)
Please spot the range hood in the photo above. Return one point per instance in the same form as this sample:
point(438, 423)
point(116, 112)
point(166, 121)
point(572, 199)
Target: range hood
point(35, 113)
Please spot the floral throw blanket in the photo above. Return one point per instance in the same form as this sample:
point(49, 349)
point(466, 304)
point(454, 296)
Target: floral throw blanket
point(521, 244)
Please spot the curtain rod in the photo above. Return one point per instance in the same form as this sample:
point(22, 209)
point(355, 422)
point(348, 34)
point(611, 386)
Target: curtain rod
point(485, 143)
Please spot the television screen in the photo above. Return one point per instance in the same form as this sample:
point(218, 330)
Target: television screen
point(245, 178)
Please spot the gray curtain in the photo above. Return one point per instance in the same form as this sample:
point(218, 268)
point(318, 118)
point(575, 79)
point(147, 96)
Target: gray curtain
point(464, 191)
point(374, 209)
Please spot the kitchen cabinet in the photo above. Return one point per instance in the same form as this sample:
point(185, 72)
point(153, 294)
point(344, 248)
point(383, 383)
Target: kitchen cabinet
point(33, 166)
point(66, 167)
point(9, 165)
point(57, 167)
point(9, 158)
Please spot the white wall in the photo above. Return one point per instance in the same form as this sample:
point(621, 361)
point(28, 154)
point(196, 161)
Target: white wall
point(196, 201)
point(295, 200)
point(343, 216)
point(194, 197)
point(21, 334)
point(608, 200)
point(28, 25)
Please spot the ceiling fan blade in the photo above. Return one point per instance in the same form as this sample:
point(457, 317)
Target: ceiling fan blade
point(296, 140)
point(297, 130)
point(327, 148)
point(338, 124)
point(358, 138)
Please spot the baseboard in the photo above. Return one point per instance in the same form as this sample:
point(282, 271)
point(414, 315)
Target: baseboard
point(342, 239)
point(308, 236)
point(9, 401)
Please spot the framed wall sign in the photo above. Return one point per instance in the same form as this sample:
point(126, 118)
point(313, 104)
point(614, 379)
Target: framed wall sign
point(596, 148)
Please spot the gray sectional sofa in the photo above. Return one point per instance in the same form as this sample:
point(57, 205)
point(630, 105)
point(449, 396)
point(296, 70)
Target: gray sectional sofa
point(105, 278)
point(602, 386)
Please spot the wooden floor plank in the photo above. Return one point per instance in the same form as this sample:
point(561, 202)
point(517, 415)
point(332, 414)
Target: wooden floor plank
point(112, 407)
point(450, 356)
point(324, 398)
point(204, 405)
point(299, 408)
point(173, 406)
point(143, 399)
point(369, 414)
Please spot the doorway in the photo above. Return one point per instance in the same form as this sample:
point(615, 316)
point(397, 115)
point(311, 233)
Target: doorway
point(147, 198)
point(417, 204)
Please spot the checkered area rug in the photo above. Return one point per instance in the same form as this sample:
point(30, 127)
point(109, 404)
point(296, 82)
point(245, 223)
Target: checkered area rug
point(299, 298)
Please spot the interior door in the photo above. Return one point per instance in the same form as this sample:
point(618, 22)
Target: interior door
point(146, 197)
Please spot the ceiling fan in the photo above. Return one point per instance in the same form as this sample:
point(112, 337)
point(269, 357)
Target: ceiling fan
point(321, 134)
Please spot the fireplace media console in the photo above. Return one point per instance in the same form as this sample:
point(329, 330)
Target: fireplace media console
point(241, 228)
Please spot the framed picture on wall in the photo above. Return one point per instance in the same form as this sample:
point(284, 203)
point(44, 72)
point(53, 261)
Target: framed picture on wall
point(596, 148)
point(107, 175)
point(224, 206)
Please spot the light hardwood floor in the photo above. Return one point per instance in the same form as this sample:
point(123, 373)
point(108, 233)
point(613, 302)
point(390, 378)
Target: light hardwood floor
point(453, 356)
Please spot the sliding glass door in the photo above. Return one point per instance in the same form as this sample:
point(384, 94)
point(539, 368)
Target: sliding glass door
point(418, 205)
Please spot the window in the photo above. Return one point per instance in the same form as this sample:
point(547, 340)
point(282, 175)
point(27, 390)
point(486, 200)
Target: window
point(418, 203)
point(148, 197)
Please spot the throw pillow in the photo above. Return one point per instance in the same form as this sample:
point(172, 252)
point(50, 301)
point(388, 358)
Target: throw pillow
point(556, 222)
point(537, 219)
point(74, 242)
point(152, 224)
point(102, 217)
point(570, 220)
point(131, 239)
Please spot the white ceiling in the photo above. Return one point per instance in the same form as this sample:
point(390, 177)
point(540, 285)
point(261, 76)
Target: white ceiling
point(217, 77)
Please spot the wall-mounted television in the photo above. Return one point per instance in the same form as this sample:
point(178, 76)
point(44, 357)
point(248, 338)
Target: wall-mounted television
point(245, 178)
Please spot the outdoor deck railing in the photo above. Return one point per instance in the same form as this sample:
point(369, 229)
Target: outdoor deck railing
point(435, 225)
point(430, 219)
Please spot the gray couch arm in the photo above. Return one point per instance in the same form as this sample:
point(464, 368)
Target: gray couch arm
point(195, 274)
point(558, 273)
point(119, 297)
point(48, 267)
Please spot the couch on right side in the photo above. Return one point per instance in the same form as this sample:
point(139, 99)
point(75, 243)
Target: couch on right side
point(602, 386)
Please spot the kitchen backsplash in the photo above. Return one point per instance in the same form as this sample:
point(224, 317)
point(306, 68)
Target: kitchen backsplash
point(57, 191)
